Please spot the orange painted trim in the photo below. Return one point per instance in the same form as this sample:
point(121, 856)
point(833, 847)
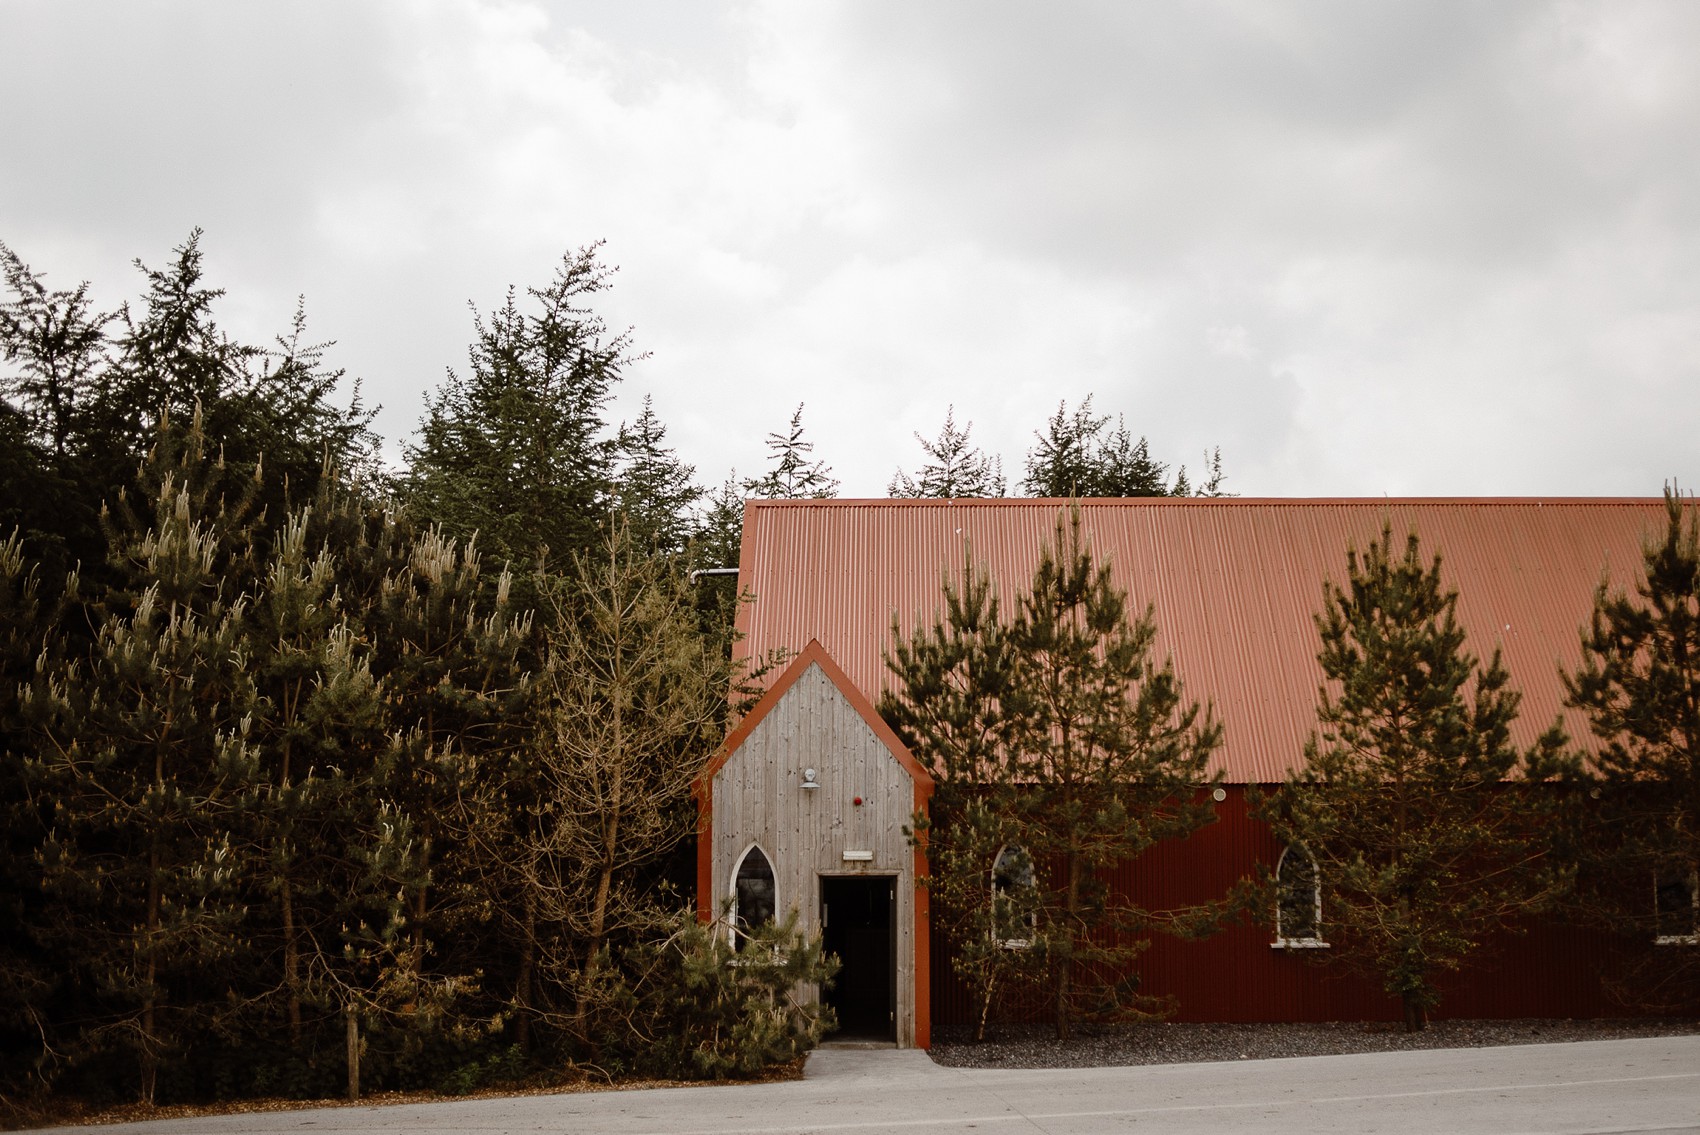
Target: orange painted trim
point(923, 934)
point(705, 852)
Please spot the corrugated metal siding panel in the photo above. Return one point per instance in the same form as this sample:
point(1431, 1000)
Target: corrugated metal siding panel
point(1234, 585)
point(1551, 972)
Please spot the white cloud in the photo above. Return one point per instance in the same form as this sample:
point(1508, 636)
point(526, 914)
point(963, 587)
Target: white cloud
point(1419, 247)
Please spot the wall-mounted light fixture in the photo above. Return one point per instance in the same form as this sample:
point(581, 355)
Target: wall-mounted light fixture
point(1219, 795)
point(809, 780)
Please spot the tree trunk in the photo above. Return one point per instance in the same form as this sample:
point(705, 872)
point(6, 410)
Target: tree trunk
point(291, 965)
point(1065, 967)
point(420, 906)
point(286, 898)
point(150, 976)
point(1416, 1017)
point(522, 980)
point(351, 1036)
point(985, 1011)
point(604, 885)
point(150, 939)
point(593, 945)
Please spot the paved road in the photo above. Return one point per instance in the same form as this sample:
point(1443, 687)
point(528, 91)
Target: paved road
point(1648, 1085)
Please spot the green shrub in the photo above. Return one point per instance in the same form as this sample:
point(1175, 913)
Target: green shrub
point(689, 1006)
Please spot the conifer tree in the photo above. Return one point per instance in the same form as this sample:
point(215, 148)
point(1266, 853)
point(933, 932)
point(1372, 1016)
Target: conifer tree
point(141, 757)
point(715, 546)
point(259, 407)
point(654, 490)
point(793, 475)
point(1082, 747)
point(1079, 455)
point(29, 972)
point(91, 388)
point(958, 675)
point(283, 415)
point(1423, 848)
point(1212, 486)
point(453, 654)
point(514, 452)
point(1639, 826)
point(57, 343)
point(956, 468)
point(54, 347)
point(330, 854)
point(720, 534)
point(632, 704)
point(172, 358)
point(319, 735)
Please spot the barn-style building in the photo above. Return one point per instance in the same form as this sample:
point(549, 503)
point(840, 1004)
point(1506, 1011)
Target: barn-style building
point(805, 807)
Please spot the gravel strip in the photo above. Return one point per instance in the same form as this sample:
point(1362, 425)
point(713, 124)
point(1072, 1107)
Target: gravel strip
point(1036, 1046)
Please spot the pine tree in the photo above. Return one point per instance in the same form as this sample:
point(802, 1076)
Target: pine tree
point(1125, 467)
point(957, 677)
point(455, 658)
point(514, 452)
point(655, 491)
point(55, 348)
point(29, 971)
point(319, 728)
point(632, 704)
point(57, 342)
point(1212, 486)
point(172, 358)
point(1081, 746)
point(1078, 455)
point(1403, 803)
point(1064, 463)
point(330, 853)
point(261, 408)
point(92, 388)
point(793, 475)
point(283, 416)
point(141, 756)
point(957, 469)
point(1639, 826)
point(720, 535)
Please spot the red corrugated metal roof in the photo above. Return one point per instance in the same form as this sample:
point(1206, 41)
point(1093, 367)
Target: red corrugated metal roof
point(1235, 583)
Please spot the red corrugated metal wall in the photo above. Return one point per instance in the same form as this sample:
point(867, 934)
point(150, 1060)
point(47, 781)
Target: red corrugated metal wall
point(1552, 971)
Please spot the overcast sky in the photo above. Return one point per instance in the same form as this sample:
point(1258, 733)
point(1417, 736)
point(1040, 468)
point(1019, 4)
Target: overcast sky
point(1409, 248)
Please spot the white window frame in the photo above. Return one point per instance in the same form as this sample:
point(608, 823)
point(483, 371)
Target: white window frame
point(1282, 942)
point(1693, 937)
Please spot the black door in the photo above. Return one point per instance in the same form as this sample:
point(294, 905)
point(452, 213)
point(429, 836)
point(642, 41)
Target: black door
point(858, 926)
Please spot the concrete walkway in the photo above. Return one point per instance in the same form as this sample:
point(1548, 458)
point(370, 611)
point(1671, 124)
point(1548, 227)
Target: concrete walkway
point(1643, 1085)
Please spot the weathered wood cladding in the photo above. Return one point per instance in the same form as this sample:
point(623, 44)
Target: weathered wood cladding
point(758, 798)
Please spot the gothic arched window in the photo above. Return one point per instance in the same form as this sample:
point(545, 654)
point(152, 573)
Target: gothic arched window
point(1676, 908)
point(1298, 903)
point(1014, 898)
point(752, 894)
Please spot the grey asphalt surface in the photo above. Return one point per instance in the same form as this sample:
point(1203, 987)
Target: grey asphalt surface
point(1642, 1085)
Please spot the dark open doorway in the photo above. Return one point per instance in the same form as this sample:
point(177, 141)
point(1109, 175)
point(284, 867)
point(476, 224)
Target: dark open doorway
point(857, 924)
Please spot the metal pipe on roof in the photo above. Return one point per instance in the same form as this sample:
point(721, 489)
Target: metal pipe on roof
point(712, 571)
